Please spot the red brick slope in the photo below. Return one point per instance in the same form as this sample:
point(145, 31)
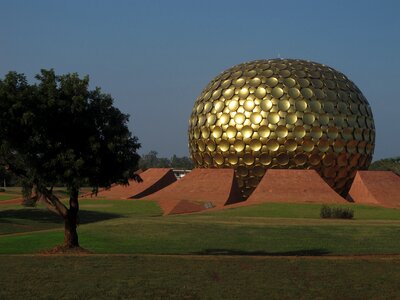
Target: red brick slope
point(154, 179)
point(199, 190)
point(377, 188)
point(293, 186)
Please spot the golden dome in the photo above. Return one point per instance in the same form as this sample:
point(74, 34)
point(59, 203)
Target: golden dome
point(282, 113)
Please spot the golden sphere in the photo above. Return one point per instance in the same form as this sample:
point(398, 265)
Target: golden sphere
point(282, 113)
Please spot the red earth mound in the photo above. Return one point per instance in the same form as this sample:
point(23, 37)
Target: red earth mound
point(199, 190)
point(377, 188)
point(296, 186)
point(154, 179)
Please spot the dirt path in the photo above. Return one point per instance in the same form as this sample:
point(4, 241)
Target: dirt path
point(29, 232)
point(12, 201)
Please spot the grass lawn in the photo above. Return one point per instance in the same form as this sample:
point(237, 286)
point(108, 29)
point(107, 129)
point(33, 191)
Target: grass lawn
point(269, 229)
point(233, 253)
point(188, 277)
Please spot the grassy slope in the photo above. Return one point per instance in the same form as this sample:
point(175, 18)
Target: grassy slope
point(270, 229)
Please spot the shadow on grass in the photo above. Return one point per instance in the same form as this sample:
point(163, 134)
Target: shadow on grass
point(44, 216)
point(305, 252)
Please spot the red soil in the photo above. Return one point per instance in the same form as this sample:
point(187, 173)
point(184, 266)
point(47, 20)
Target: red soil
point(296, 186)
point(199, 190)
point(12, 201)
point(377, 188)
point(154, 179)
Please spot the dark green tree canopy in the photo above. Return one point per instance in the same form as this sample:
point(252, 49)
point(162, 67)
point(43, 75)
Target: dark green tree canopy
point(59, 131)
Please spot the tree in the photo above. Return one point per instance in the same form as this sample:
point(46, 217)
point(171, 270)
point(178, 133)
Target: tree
point(151, 160)
point(59, 132)
point(387, 164)
point(183, 162)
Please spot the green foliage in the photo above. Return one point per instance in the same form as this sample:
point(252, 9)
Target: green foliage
point(326, 212)
point(336, 212)
point(151, 160)
point(59, 131)
point(387, 164)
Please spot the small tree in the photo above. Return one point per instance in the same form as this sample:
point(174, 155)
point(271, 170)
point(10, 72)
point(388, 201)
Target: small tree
point(59, 132)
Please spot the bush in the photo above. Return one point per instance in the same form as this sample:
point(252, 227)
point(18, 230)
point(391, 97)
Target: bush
point(2, 190)
point(336, 212)
point(326, 212)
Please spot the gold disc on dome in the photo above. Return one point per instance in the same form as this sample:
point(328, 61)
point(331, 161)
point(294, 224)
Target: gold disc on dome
point(247, 131)
point(248, 159)
point(301, 105)
point(264, 131)
point(284, 105)
point(273, 118)
point(255, 145)
point(266, 105)
point(260, 92)
point(233, 105)
point(291, 118)
point(291, 145)
point(239, 118)
point(228, 93)
point(219, 158)
point(239, 145)
point(277, 92)
point(294, 93)
point(255, 118)
point(224, 145)
point(265, 159)
point(258, 171)
point(217, 132)
point(248, 105)
point(231, 132)
point(233, 159)
point(299, 132)
point(289, 82)
point(272, 145)
point(282, 159)
point(281, 131)
point(272, 82)
point(224, 119)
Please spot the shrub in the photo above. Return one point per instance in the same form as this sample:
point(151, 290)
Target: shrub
point(2, 190)
point(336, 212)
point(326, 212)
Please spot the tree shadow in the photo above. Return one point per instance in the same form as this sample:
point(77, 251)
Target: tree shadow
point(44, 216)
point(305, 252)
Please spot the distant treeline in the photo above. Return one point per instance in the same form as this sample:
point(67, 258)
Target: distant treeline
point(151, 160)
point(387, 164)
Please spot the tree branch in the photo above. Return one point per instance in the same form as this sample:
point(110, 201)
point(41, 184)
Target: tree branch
point(53, 203)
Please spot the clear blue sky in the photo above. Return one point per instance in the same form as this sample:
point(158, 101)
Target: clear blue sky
point(155, 57)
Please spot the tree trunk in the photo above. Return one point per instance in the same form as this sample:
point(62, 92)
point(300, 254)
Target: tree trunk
point(71, 222)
